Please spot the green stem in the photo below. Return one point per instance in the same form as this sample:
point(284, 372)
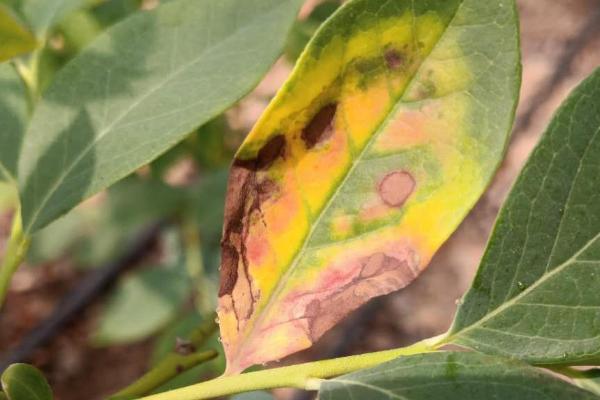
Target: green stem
point(195, 265)
point(303, 376)
point(29, 75)
point(174, 363)
point(202, 333)
point(16, 251)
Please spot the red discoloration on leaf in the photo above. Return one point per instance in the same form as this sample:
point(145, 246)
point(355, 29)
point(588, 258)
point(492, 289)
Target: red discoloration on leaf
point(396, 187)
point(345, 286)
point(393, 59)
point(408, 130)
point(257, 249)
point(320, 127)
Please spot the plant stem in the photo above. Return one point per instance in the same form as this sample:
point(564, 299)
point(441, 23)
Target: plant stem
point(302, 376)
point(201, 334)
point(195, 265)
point(29, 75)
point(16, 250)
point(174, 363)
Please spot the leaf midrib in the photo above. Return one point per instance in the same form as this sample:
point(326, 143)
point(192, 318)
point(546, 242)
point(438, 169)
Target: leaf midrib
point(355, 162)
point(547, 275)
point(60, 180)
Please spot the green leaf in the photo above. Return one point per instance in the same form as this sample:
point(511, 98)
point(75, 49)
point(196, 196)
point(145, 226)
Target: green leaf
point(142, 304)
point(208, 200)
point(535, 296)
point(253, 396)
point(9, 198)
point(451, 376)
point(110, 11)
point(58, 239)
point(15, 38)
point(24, 382)
point(303, 30)
point(95, 235)
point(589, 380)
point(44, 14)
point(138, 89)
point(79, 29)
point(13, 116)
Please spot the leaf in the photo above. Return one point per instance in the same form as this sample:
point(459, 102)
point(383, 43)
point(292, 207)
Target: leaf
point(451, 376)
point(142, 304)
point(388, 131)
point(208, 199)
point(95, 235)
point(535, 296)
point(253, 396)
point(15, 38)
point(589, 380)
point(110, 11)
point(138, 89)
point(13, 116)
point(9, 198)
point(78, 30)
point(44, 14)
point(24, 382)
point(303, 30)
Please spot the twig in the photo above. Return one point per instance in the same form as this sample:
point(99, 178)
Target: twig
point(173, 365)
point(18, 245)
point(564, 66)
point(185, 356)
point(302, 376)
point(91, 287)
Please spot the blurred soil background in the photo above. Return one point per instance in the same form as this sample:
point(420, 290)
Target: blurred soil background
point(115, 338)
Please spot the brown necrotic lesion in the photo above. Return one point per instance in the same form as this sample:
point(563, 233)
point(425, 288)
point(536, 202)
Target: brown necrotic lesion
point(248, 189)
point(321, 127)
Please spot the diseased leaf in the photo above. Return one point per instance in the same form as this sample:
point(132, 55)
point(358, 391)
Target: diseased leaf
point(13, 115)
point(24, 382)
point(15, 39)
point(536, 295)
point(368, 158)
point(451, 376)
point(139, 89)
